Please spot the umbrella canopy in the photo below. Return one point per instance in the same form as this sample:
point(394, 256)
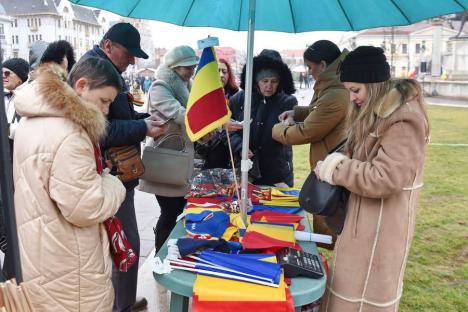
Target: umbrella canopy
point(291, 16)
point(279, 15)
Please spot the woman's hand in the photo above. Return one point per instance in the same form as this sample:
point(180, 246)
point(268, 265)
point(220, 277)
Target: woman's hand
point(250, 154)
point(232, 126)
point(287, 117)
point(317, 169)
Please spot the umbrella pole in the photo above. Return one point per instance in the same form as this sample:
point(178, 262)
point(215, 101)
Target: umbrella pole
point(247, 104)
point(6, 192)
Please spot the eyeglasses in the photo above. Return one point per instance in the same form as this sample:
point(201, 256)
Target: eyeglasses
point(6, 73)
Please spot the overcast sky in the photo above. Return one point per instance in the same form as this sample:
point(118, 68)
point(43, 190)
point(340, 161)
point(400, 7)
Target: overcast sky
point(168, 35)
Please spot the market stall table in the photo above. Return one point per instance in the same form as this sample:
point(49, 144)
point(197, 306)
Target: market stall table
point(180, 283)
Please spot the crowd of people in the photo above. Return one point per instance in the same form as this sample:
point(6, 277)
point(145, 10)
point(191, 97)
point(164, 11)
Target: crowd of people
point(64, 116)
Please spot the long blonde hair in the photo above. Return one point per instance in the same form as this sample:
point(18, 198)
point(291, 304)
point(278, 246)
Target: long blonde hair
point(361, 121)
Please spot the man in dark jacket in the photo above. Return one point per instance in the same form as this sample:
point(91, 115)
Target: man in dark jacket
point(120, 45)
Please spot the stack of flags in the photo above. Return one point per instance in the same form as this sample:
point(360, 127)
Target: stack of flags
point(217, 294)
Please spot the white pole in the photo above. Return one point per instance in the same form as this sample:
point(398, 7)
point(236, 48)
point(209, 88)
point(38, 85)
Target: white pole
point(247, 103)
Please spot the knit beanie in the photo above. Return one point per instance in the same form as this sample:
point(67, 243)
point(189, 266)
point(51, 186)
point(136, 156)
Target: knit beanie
point(322, 50)
point(366, 64)
point(264, 73)
point(19, 66)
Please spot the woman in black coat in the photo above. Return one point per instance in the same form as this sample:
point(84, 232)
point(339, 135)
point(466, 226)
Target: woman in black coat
point(272, 94)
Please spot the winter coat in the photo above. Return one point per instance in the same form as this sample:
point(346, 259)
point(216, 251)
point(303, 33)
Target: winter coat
point(168, 98)
point(322, 123)
point(384, 177)
point(274, 159)
point(61, 201)
point(126, 127)
point(12, 117)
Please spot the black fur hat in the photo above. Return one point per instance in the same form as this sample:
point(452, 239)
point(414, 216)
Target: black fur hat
point(56, 51)
point(268, 61)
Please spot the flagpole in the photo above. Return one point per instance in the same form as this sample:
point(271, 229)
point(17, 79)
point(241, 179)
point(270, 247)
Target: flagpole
point(245, 163)
point(232, 163)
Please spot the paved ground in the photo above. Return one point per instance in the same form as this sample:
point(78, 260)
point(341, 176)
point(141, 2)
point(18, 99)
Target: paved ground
point(147, 210)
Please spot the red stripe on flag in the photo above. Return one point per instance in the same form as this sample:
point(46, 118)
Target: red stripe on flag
point(207, 110)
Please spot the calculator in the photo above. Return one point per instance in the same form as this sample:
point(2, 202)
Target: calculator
point(299, 263)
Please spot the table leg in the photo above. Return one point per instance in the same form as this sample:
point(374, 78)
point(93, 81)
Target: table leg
point(179, 303)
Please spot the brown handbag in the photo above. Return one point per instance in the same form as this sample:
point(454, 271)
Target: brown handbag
point(124, 162)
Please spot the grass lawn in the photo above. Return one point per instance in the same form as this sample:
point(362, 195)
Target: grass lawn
point(436, 276)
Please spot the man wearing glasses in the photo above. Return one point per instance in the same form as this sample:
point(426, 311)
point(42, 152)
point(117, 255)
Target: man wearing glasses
point(120, 45)
point(15, 73)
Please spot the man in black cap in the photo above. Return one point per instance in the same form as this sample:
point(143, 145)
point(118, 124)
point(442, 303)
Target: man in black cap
point(120, 45)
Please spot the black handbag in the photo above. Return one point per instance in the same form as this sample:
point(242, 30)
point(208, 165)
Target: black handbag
point(323, 199)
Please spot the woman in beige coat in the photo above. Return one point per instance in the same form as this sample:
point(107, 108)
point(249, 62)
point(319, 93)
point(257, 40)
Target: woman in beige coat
point(61, 200)
point(382, 167)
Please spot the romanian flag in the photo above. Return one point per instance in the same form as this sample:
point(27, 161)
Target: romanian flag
point(206, 107)
point(212, 294)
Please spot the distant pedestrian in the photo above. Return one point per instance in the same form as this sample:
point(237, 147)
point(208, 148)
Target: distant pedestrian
point(146, 85)
point(301, 79)
point(64, 250)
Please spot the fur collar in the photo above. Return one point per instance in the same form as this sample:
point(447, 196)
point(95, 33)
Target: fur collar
point(169, 77)
point(388, 104)
point(50, 95)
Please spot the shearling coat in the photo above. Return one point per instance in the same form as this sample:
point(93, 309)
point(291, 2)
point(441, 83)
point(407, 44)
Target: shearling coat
point(168, 98)
point(384, 177)
point(60, 199)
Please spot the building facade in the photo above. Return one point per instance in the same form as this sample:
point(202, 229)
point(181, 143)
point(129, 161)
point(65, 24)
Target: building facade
point(50, 20)
point(5, 35)
point(409, 49)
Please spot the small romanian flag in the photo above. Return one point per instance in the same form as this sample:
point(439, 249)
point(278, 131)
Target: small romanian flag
point(206, 106)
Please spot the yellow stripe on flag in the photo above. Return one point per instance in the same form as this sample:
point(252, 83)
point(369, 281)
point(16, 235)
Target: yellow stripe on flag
point(206, 80)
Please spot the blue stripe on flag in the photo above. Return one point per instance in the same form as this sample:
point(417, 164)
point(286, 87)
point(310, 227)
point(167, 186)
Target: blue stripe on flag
point(206, 57)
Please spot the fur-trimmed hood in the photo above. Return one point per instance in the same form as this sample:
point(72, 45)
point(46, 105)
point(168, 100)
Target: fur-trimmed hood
point(264, 61)
point(49, 95)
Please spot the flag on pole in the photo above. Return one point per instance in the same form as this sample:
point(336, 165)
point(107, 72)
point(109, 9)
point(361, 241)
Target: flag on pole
point(206, 107)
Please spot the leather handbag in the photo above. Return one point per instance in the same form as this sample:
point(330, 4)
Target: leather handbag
point(121, 250)
point(124, 162)
point(323, 199)
point(166, 165)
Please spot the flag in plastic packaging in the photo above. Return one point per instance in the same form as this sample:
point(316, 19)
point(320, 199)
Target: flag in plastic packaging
point(222, 295)
point(206, 107)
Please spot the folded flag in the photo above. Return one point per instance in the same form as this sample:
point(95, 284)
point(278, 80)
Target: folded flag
point(206, 107)
point(260, 235)
point(218, 294)
point(274, 208)
point(278, 217)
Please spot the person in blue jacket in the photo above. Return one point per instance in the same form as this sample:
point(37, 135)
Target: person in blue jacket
point(121, 45)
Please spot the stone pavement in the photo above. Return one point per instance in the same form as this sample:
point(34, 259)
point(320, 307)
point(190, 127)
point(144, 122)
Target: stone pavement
point(147, 213)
